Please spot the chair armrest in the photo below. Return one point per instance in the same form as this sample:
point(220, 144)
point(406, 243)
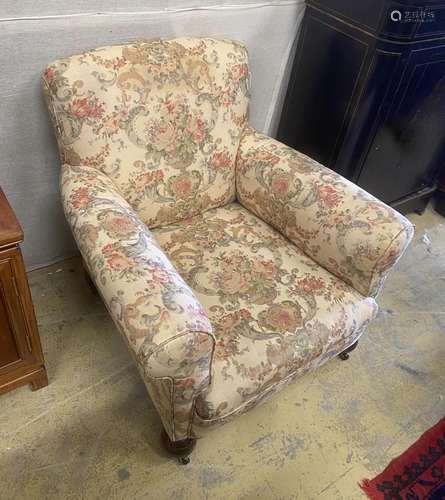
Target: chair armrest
point(339, 225)
point(165, 325)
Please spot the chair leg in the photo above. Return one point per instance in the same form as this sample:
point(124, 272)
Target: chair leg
point(345, 354)
point(180, 449)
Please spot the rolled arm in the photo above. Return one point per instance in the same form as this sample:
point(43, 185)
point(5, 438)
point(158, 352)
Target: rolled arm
point(339, 225)
point(166, 327)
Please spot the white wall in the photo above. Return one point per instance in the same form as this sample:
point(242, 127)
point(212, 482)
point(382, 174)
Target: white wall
point(35, 32)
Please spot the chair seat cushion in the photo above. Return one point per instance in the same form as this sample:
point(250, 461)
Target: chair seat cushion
point(274, 311)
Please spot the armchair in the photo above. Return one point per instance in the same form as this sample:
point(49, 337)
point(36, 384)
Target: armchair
point(230, 263)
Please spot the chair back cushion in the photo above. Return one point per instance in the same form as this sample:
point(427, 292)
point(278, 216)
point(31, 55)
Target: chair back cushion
point(162, 118)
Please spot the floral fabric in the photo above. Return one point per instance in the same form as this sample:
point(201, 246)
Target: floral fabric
point(222, 303)
point(161, 118)
point(273, 310)
point(166, 327)
point(342, 227)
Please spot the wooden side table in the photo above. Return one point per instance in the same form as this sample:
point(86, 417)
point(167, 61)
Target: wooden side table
point(21, 357)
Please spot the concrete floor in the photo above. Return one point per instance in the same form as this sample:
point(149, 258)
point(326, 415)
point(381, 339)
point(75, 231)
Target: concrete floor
point(94, 434)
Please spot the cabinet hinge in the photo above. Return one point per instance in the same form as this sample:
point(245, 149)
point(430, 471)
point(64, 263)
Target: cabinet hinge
point(14, 282)
point(28, 341)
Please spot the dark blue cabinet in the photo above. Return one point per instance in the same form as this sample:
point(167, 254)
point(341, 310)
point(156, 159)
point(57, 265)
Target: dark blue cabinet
point(366, 95)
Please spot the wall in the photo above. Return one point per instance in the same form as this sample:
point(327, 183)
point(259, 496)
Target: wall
point(33, 33)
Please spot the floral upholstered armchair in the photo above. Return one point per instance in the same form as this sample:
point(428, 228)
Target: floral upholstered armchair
point(230, 263)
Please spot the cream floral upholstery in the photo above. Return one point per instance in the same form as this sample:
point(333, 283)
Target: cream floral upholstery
point(343, 228)
point(162, 119)
point(230, 263)
point(273, 310)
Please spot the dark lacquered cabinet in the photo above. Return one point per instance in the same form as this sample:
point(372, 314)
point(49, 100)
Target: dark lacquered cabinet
point(366, 95)
point(21, 357)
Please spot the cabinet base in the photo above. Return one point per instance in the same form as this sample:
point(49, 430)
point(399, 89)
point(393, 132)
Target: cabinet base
point(37, 379)
point(440, 202)
point(40, 380)
point(415, 202)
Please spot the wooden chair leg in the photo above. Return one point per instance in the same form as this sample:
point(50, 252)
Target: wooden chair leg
point(180, 449)
point(345, 354)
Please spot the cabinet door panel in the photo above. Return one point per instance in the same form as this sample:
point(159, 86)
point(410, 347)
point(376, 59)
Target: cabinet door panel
point(409, 145)
point(380, 85)
point(8, 348)
point(15, 344)
point(316, 113)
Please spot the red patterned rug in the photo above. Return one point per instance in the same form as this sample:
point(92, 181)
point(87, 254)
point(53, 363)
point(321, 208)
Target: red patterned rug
point(417, 474)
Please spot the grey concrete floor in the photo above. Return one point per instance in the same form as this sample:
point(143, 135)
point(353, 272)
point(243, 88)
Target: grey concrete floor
point(93, 432)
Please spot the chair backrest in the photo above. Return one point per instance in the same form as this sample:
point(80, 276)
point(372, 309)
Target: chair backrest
point(162, 118)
